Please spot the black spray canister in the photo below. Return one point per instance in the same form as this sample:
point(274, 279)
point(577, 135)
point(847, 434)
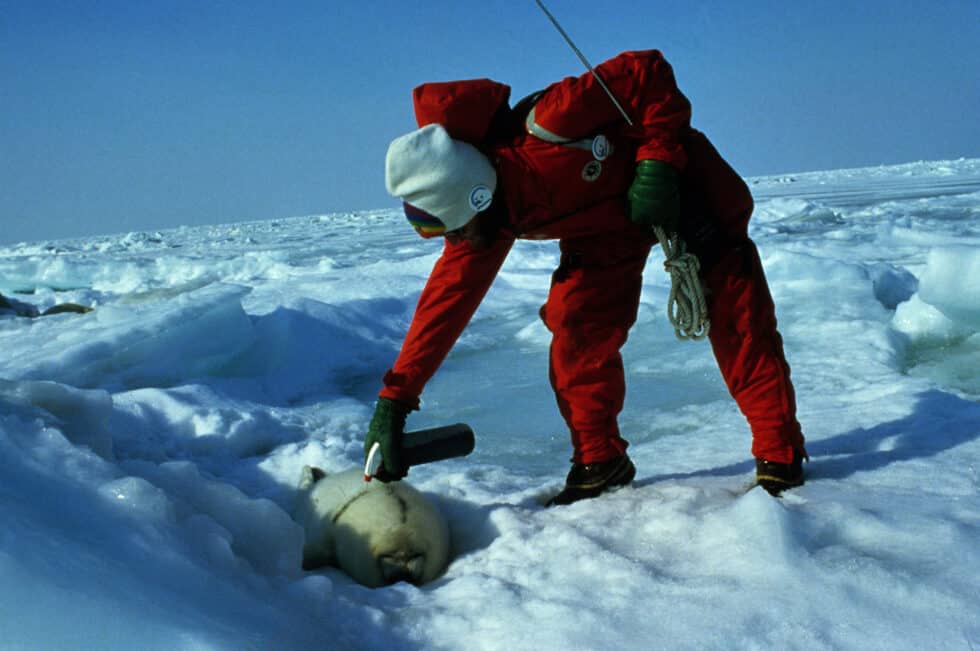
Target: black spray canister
point(426, 446)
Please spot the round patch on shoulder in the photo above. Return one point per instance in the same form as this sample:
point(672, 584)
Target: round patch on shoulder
point(480, 198)
point(592, 170)
point(600, 147)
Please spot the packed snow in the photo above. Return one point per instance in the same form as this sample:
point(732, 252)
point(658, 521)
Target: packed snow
point(150, 449)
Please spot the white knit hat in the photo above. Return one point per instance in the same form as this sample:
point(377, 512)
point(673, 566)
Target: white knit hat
point(448, 179)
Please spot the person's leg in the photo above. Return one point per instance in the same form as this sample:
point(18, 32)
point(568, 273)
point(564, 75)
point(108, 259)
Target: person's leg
point(592, 304)
point(749, 351)
point(717, 208)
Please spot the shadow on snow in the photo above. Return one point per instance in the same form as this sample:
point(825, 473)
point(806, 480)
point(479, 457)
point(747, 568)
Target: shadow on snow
point(940, 421)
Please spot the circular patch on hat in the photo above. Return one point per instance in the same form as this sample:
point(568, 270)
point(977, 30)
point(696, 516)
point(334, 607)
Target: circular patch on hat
point(592, 170)
point(480, 198)
point(600, 147)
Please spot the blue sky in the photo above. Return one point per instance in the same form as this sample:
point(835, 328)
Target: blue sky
point(119, 116)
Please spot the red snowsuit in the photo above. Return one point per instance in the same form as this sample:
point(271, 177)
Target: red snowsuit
point(559, 182)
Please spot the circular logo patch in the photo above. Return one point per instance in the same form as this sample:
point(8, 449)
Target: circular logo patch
point(592, 170)
point(480, 198)
point(600, 147)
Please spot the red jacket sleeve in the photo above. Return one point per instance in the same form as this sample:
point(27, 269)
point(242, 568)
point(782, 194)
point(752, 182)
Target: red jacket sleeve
point(456, 286)
point(643, 83)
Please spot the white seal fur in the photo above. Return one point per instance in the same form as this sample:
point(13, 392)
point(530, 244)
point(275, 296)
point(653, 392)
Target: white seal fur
point(378, 533)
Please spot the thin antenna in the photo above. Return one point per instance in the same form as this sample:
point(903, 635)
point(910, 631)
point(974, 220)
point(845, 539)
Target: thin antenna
point(586, 62)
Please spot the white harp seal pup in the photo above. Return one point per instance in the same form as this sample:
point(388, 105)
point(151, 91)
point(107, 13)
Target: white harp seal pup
point(378, 533)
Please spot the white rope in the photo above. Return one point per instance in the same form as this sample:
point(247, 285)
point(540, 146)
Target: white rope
point(686, 308)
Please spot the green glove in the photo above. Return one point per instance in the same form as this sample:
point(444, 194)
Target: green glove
point(387, 428)
point(654, 197)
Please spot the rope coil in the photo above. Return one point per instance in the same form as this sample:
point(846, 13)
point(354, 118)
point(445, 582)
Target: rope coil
point(687, 309)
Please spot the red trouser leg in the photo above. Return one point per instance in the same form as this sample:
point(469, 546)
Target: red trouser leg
point(749, 351)
point(717, 206)
point(593, 302)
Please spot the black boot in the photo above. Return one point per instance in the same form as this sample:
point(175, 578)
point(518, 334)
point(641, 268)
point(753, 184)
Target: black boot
point(777, 477)
point(587, 480)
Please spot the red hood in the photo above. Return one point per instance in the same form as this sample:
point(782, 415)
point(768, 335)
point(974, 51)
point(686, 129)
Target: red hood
point(464, 108)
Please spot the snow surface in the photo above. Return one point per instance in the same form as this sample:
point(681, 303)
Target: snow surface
point(149, 450)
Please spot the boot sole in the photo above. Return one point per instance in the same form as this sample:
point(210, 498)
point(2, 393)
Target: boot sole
point(622, 476)
point(775, 485)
